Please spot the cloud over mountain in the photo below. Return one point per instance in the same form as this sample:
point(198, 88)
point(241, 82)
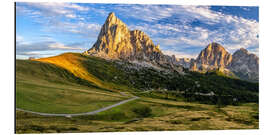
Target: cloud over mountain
point(174, 27)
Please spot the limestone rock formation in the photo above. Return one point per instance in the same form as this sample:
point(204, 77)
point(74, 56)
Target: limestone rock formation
point(245, 65)
point(214, 56)
point(116, 41)
point(113, 41)
point(241, 64)
point(186, 62)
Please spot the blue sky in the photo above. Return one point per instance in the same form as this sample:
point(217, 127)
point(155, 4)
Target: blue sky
point(47, 29)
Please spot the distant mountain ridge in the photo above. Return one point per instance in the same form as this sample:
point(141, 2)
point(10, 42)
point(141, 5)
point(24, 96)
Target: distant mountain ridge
point(115, 41)
point(243, 64)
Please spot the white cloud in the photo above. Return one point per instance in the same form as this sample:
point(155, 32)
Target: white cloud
point(86, 30)
point(192, 42)
point(245, 8)
point(231, 31)
point(255, 51)
point(57, 8)
point(50, 11)
point(71, 16)
point(168, 41)
point(19, 38)
point(75, 6)
point(62, 47)
point(204, 35)
point(179, 54)
point(202, 13)
point(24, 48)
point(29, 53)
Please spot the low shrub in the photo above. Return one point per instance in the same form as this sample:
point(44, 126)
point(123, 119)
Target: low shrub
point(142, 111)
point(37, 128)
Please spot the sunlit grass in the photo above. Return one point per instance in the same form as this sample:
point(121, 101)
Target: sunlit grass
point(72, 63)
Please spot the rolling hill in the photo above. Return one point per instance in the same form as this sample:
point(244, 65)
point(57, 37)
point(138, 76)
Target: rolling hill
point(45, 87)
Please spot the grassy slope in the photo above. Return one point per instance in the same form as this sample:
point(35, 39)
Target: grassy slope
point(48, 88)
point(71, 62)
point(95, 70)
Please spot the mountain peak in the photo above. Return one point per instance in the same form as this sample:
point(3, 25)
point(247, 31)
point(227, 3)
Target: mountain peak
point(112, 20)
point(213, 56)
point(241, 63)
point(116, 41)
point(215, 45)
point(111, 17)
point(243, 50)
point(245, 63)
point(111, 14)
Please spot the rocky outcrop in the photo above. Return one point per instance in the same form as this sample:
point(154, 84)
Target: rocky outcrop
point(113, 40)
point(242, 64)
point(116, 41)
point(245, 65)
point(185, 62)
point(144, 48)
point(214, 56)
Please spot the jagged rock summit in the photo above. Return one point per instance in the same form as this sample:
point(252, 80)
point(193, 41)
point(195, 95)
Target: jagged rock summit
point(242, 64)
point(116, 41)
point(245, 65)
point(212, 57)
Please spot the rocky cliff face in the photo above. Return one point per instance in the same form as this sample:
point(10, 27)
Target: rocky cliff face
point(245, 65)
point(185, 62)
point(113, 41)
point(116, 41)
point(214, 56)
point(144, 48)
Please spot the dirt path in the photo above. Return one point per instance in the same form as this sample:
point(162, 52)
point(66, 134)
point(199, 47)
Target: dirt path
point(80, 114)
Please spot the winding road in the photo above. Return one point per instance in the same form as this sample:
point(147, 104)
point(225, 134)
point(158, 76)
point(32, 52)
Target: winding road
point(81, 114)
